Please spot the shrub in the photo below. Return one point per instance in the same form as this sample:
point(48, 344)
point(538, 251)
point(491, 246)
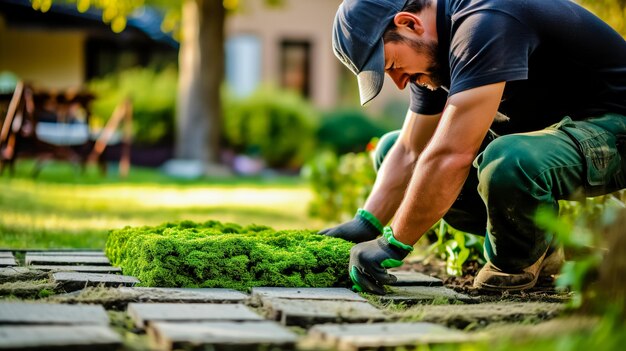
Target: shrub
point(348, 130)
point(278, 125)
point(214, 254)
point(153, 94)
point(583, 229)
point(340, 184)
point(455, 247)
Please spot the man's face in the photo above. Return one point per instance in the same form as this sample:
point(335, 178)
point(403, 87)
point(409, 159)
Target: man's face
point(413, 60)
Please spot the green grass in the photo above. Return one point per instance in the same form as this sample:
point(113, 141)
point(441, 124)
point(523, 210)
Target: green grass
point(64, 209)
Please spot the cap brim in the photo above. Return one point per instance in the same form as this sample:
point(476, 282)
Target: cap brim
point(372, 75)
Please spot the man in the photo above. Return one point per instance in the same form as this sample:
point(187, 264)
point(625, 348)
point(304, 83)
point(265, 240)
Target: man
point(548, 76)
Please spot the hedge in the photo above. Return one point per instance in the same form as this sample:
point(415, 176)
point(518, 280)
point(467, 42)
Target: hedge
point(225, 255)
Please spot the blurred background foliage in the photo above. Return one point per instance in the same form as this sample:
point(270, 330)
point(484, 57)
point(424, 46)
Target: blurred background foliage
point(611, 11)
point(348, 130)
point(153, 93)
point(277, 125)
point(340, 183)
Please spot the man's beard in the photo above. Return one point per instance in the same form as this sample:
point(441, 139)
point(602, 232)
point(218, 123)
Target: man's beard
point(436, 73)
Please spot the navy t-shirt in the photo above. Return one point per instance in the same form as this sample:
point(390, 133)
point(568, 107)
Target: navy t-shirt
point(557, 58)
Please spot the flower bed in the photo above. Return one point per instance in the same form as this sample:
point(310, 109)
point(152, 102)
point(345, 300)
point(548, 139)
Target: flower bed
point(218, 255)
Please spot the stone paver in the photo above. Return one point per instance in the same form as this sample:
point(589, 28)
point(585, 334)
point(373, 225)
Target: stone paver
point(74, 281)
point(263, 335)
point(144, 313)
point(214, 295)
point(6, 254)
point(119, 298)
point(83, 269)
point(12, 274)
point(58, 338)
point(305, 313)
point(307, 293)
point(43, 313)
point(7, 262)
point(354, 337)
point(65, 253)
point(424, 294)
point(406, 278)
point(37, 259)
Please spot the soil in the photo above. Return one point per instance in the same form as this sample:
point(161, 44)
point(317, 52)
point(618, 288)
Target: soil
point(544, 291)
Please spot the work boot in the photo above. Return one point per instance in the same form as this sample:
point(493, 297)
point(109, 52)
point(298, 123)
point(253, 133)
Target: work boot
point(552, 264)
point(492, 278)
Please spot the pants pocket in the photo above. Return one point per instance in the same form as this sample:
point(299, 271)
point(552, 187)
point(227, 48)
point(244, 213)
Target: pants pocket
point(599, 149)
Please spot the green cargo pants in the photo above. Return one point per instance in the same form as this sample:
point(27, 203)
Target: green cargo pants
point(517, 174)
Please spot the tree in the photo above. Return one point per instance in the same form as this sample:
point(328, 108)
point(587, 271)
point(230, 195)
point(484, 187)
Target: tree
point(201, 63)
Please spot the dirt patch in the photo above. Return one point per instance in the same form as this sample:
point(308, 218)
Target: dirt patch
point(544, 291)
point(474, 317)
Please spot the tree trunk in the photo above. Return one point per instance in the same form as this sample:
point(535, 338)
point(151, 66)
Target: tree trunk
point(201, 72)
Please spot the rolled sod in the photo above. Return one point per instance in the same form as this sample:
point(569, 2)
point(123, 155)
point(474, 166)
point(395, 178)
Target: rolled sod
point(226, 255)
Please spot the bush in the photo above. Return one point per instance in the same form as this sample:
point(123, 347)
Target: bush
point(584, 229)
point(455, 247)
point(153, 94)
point(348, 130)
point(218, 255)
point(340, 184)
point(278, 125)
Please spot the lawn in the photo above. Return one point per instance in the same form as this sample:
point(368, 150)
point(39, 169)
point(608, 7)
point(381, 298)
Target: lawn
point(65, 209)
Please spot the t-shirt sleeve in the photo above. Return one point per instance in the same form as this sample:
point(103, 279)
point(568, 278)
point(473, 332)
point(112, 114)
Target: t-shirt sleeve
point(489, 47)
point(427, 102)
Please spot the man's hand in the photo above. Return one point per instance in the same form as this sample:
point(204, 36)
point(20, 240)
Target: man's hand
point(369, 262)
point(364, 227)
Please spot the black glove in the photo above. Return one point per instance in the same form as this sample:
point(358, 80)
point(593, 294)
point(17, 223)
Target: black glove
point(364, 227)
point(369, 262)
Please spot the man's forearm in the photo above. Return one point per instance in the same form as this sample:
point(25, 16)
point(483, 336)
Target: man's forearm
point(443, 167)
point(435, 185)
point(391, 182)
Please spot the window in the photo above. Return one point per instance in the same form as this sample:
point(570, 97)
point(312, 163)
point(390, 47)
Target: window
point(295, 62)
point(243, 64)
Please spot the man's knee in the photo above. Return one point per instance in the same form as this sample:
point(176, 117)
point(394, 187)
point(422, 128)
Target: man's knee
point(509, 161)
point(382, 148)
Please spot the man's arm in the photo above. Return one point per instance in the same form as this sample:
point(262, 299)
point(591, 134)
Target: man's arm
point(391, 181)
point(395, 172)
point(444, 165)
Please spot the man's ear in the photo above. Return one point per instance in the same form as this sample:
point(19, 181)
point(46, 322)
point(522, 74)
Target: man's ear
point(409, 21)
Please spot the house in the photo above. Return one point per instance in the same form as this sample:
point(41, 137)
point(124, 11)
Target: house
point(288, 45)
point(65, 48)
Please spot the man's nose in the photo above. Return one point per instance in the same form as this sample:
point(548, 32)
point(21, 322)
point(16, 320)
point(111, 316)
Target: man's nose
point(397, 79)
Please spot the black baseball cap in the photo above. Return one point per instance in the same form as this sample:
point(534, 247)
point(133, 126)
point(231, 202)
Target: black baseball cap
point(358, 40)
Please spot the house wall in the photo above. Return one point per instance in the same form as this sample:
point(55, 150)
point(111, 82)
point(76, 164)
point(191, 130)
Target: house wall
point(295, 20)
point(48, 58)
point(303, 20)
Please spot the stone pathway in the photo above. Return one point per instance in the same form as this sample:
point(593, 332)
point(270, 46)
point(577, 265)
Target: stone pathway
point(222, 318)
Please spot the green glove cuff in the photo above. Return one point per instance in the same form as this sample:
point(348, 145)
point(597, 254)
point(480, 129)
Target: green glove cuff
point(354, 277)
point(370, 218)
point(388, 234)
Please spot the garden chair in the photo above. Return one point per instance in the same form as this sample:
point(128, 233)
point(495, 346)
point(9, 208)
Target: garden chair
point(51, 125)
